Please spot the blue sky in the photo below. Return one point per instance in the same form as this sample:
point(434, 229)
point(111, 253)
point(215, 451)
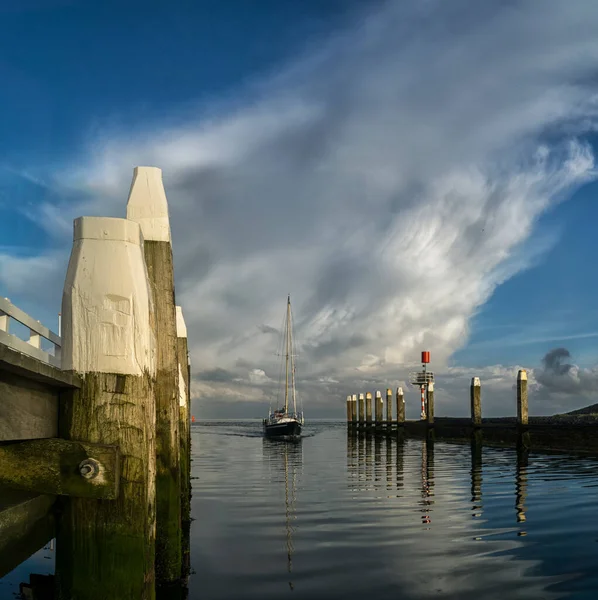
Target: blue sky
point(328, 121)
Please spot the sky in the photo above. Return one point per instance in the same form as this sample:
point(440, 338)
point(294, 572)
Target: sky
point(418, 175)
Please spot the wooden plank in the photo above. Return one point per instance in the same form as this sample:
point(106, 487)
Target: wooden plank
point(21, 364)
point(52, 467)
point(28, 409)
point(26, 525)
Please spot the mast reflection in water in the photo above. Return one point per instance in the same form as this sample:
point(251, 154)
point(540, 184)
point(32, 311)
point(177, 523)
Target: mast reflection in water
point(285, 462)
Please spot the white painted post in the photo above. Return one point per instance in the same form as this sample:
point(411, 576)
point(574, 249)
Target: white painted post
point(4, 321)
point(184, 414)
point(184, 438)
point(148, 206)
point(35, 339)
point(107, 339)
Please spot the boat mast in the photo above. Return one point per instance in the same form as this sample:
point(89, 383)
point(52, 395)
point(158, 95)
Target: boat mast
point(287, 340)
point(292, 358)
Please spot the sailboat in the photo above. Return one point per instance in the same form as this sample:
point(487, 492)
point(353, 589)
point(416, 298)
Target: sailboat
point(281, 422)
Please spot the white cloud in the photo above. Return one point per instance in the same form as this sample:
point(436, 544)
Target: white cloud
point(387, 180)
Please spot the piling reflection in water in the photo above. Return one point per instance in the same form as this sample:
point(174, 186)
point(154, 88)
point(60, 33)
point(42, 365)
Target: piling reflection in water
point(427, 470)
point(476, 477)
point(521, 486)
point(285, 460)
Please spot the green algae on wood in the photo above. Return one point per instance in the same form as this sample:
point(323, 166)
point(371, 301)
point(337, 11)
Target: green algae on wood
point(51, 466)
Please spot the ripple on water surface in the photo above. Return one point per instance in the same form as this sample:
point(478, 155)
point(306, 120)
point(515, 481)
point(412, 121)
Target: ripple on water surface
point(336, 517)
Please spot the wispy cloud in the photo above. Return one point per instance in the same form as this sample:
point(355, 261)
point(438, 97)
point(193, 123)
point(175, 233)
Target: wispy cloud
point(388, 179)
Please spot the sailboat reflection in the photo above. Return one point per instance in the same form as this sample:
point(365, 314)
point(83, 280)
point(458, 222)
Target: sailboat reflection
point(286, 458)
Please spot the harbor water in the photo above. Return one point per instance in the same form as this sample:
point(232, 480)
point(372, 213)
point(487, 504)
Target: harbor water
point(335, 516)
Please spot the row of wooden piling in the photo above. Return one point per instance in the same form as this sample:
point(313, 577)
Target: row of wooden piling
point(359, 406)
point(359, 409)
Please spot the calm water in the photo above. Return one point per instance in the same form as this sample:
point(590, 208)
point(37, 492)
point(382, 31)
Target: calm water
point(331, 518)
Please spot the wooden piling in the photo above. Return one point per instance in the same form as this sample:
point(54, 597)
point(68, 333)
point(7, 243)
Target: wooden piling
point(400, 405)
point(349, 410)
point(147, 205)
point(379, 407)
point(106, 548)
point(389, 406)
point(361, 408)
point(475, 393)
point(368, 407)
point(184, 415)
point(430, 411)
point(522, 412)
point(354, 409)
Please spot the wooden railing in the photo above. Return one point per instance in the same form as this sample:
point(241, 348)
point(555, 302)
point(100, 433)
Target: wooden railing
point(37, 331)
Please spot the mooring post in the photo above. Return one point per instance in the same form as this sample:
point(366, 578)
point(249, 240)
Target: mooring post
point(368, 408)
point(106, 548)
point(354, 409)
point(184, 441)
point(361, 409)
point(522, 398)
point(475, 393)
point(184, 415)
point(148, 206)
point(389, 407)
point(400, 406)
point(349, 411)
point(379, 408)
point(430, 413)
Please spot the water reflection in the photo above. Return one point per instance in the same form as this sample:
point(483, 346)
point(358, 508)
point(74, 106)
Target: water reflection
point(427, 485)
point(286, 458)
point(521, 486)
point(476, 477)
point(499, 566)
point(344, 517)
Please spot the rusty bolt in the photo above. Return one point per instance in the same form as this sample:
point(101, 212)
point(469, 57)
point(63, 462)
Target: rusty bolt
point(89, 468)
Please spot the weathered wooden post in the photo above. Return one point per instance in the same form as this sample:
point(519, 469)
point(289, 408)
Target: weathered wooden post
point(522, 397)
point(400, 406)
point(184, 443)
point(389, 407)
point(106, 548)
point(184, 415)
point(430, 413)
point(147, 205)
point(354, 409)
point(349, 411)
point(368, 408)
point(361, 409)
point(379, 408)
point(475, 393)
